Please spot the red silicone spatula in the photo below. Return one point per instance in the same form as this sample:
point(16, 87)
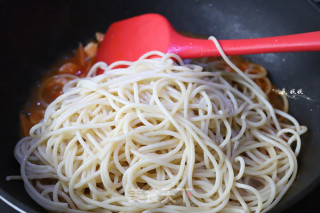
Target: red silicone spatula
point(131, 38)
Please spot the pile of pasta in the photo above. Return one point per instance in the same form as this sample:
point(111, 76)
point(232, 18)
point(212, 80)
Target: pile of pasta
point(158, 135)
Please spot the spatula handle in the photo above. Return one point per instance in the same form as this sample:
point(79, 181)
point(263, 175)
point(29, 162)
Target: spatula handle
point(191, 48)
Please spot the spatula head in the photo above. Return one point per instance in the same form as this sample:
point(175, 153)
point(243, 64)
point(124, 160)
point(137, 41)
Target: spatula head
point(129, 39)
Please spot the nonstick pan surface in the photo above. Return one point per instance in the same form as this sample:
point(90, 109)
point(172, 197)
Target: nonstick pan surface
point(35, 34)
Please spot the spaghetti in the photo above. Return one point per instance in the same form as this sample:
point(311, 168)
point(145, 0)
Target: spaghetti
point(161, 136)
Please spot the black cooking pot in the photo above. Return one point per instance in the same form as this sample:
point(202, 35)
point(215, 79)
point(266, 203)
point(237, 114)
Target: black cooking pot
point(34, 35)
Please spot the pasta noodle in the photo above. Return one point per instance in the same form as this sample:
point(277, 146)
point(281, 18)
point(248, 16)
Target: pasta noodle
point(161, 136)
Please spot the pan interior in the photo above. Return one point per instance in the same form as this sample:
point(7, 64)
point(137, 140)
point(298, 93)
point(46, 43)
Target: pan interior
point(36, 34)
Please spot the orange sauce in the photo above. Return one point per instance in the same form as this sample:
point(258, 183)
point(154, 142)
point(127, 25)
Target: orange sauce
point(51, 86)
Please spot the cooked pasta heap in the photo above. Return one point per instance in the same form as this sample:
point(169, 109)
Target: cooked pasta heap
point(160, 136)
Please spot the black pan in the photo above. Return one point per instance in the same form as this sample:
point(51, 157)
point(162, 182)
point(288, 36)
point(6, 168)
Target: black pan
point(36, 34)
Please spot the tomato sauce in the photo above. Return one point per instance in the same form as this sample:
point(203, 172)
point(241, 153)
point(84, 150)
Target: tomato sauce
point(51, 86)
